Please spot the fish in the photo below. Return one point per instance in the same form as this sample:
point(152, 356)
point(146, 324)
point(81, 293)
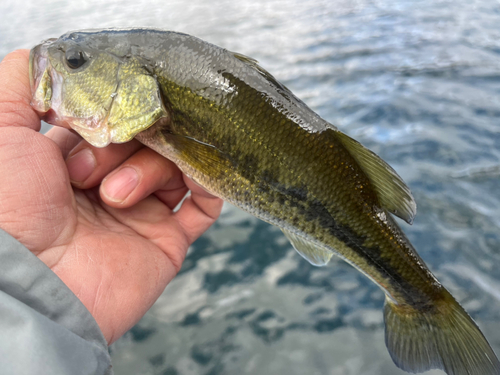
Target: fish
point(235, 130)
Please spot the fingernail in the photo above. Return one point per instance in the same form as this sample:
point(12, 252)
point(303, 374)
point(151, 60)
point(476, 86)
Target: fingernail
point(81, 165)
point(119, 186)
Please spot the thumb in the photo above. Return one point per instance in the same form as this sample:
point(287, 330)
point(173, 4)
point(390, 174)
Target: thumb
point(15, 93)
point(35, 194)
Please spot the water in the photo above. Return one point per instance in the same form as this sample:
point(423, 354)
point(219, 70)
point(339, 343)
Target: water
point(416, 81)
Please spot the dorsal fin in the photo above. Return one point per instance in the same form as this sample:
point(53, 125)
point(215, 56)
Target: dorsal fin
point(313, 253)
point(246, 59)
point(394, 195)
point(254, 64)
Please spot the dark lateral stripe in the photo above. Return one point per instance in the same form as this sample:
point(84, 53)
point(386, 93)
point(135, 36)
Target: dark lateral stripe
point(314, 210)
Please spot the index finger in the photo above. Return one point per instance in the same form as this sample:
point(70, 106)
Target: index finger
point(15, 92)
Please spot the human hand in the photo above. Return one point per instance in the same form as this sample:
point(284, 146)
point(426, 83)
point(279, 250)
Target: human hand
point(114, 245)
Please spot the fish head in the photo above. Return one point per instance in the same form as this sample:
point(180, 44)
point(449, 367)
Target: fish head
point(93, 83)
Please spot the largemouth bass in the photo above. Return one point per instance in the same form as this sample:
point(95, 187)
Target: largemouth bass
point(235, 130)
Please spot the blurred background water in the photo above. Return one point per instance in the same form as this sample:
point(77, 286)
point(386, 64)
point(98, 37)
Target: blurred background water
point(418, 82)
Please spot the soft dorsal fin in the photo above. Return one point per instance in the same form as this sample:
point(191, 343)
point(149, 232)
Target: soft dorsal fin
point(394, 195)
point(314, 254)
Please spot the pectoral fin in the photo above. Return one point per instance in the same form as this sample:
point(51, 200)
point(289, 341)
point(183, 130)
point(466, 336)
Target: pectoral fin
point(394, 195)
point(314, 254)
point(204, 157)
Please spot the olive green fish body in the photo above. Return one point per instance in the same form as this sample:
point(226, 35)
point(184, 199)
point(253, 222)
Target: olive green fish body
point(235, 130)
point(274, 164)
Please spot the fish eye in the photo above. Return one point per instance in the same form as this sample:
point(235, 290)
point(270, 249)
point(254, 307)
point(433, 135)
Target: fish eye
point(75, 58)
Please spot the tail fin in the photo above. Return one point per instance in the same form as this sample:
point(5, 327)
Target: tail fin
point(445, 338)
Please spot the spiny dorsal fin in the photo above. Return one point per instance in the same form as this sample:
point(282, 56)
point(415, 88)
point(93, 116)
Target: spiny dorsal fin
point(314, 254)
point(246, 59)
point(394, 195)
point(254, 64)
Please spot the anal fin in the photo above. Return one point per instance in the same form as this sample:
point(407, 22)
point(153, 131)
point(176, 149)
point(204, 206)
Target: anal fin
point(314, 254)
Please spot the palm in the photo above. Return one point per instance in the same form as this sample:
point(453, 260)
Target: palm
point(116, 257)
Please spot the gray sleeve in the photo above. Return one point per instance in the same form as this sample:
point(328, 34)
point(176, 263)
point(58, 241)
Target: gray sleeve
point(44, 328)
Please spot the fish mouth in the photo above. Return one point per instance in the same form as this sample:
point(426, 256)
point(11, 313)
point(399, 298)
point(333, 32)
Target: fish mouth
point(40, 77)
point(37, 66)
point(46, 85)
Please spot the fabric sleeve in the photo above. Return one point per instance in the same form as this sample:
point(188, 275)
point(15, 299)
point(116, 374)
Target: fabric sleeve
point(44, 328)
